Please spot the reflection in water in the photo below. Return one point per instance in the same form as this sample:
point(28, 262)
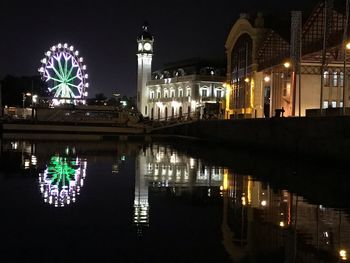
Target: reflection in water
point(160, 167)
point(62, 179)
point(259, 224)
point(277, 224)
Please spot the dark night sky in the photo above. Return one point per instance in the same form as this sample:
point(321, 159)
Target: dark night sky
point(105, 33)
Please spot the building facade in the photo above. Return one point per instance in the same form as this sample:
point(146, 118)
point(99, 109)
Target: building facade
point(186, 89)
point(296, 67)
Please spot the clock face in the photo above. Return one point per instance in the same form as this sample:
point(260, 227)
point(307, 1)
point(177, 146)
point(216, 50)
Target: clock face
point(147, 46)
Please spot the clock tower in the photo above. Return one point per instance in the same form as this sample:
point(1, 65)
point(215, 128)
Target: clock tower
point(144, 65)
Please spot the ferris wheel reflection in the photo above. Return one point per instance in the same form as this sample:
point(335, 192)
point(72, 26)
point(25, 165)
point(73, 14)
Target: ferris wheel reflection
point(62, 180)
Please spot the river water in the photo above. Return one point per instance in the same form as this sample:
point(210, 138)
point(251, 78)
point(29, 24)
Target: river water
point(127, 202)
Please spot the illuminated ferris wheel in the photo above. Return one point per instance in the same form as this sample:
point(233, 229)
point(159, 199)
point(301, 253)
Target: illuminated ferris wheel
point(65, 74)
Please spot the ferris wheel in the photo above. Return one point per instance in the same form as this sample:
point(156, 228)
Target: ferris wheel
point(65, 74)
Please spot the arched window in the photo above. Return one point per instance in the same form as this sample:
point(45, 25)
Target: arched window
point(180, 111)
point(172, 112)
point(166, 113)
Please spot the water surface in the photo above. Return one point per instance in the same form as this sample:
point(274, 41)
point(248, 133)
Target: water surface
point(126, 202)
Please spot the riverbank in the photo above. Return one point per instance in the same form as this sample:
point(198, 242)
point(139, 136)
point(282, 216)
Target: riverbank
point(312, 137)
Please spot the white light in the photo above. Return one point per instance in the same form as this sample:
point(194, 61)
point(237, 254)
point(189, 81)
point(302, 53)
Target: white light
point(281, 224)
point(86, 85)
point(263, 203)
point(53, 48)
point(266, 78)
point(81, 59)
point(65, 45)
point(59, 45)
point(41, 69)
point(48, 53)
point(84, 67)
point(44, 60)
point(86, 94)
point(76, 53)
point(71, 48)
point(86, 76)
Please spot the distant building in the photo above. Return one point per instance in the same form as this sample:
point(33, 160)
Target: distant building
point(184, 89)
point(261, 82)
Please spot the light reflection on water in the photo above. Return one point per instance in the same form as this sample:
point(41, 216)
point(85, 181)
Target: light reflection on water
point(258, 223)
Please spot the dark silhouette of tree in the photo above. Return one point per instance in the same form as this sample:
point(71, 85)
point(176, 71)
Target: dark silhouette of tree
point(14, 87)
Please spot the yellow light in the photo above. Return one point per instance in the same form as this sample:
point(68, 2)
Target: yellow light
point(249, 190)
point(243, 201)
point(266, 78)
point(252, 94)
point(286, 64)
point(225, 183)
point(281, 224)
point(246, 80)
point(347, 46)
point(342, 254)
point(263, 203)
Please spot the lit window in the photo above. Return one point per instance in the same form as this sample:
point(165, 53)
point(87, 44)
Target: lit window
point(188, 92)
point(340, 104)
point(158, 94)
point(218, 93)
point(335, 79)
point(204, 92)
point(172, 93)
point(152, 95)
point(325, 104)
point(341, 84)
point(326, 78)
point(334, 104)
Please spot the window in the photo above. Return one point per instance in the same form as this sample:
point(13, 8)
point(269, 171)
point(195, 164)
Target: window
point(180, 93)
point(286, 89)
point(204, 92)
point(145, 110)
point(152, 95)
point(340, 104)
point(335, 79)
point(326, 78)
point(325, 104)
point(188, 92)
point(218, 93)
point(341, 84)
point(158, 94)
point(334, 104)
point(166, 93)
point(172, 93)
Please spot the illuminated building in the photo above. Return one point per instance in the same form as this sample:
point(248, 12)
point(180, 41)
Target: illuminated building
point(180, 90)
point(260, 79)
point(159, 168)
